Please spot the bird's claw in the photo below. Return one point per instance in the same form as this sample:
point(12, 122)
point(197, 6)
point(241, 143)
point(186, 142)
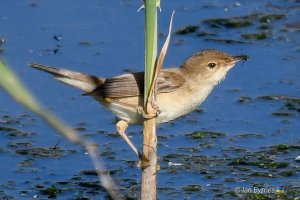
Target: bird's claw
point(141, 111)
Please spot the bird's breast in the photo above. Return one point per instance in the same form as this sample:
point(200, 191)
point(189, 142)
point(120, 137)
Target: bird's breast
point(180, 102)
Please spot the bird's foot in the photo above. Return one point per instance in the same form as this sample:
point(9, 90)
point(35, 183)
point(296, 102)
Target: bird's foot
point(141, 111)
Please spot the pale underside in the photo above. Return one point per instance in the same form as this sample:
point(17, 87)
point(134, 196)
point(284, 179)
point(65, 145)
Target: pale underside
point(175, 97)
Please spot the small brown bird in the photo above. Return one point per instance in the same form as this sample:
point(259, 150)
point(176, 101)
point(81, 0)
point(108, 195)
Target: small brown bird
point(179, 90)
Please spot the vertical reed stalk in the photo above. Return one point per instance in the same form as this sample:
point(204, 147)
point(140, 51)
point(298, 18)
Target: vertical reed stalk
point(149, 159)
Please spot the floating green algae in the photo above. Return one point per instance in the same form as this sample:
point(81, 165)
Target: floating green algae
point(255, 36)
point(263, 22)
point(262, 174)
point(52, 192)
point(91, 184)
point(41, 152)
point(236, 22)
point(192, 188)
point(290, 105)
point(14, 132)
point(266, 18)
point(287, 173)
point(243, 21)
point(205, 134)
point(272, 165)
point(283, 147)
point(226, 41)
point(254, 196)
point(258, 163)
point(187, 30)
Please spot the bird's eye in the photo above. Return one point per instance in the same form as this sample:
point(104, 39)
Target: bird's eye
point(212, 65)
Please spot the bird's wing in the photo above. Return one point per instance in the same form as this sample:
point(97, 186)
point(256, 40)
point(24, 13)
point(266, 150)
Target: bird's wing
point(130, 85)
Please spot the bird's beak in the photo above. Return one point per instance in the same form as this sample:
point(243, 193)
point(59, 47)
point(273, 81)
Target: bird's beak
point(240, 58)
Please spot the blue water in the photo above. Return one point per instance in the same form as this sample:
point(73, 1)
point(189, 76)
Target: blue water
point(107, 37)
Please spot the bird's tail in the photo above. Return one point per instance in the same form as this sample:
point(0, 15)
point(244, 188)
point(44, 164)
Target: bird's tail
point(81, 81)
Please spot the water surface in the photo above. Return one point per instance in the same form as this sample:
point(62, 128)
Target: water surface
point(245, 135)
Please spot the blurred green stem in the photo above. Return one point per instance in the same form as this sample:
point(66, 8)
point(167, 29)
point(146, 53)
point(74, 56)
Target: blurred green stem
point(13, 86)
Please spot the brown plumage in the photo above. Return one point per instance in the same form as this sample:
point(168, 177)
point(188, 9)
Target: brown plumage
point(127, 85)
point(131, 85)
point(179, 90)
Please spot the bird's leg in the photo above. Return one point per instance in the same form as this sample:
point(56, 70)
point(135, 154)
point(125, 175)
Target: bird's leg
point(121, 128)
